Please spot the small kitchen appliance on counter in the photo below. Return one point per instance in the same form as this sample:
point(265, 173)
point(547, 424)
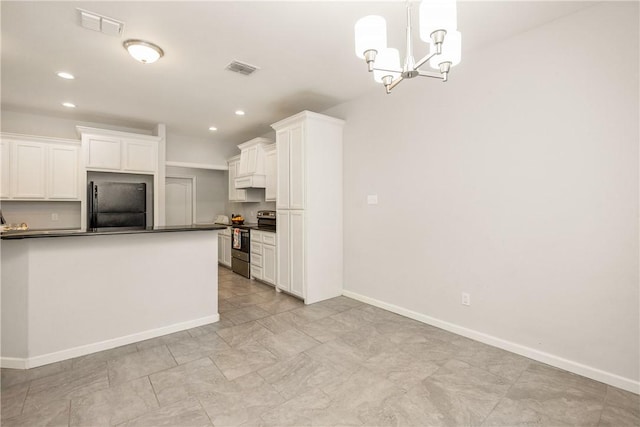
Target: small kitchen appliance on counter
point(267, 220)
point(223, 220)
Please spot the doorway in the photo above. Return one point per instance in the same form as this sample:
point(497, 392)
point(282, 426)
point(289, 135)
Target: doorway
point(180, 201)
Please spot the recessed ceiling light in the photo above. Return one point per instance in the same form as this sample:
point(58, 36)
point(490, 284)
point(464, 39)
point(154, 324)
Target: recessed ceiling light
point(65, 75)
point(239, 113)
point(143, 51)
point(69, 104)
point(212, 128)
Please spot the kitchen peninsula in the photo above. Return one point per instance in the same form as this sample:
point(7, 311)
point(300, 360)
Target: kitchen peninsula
point(68, 293)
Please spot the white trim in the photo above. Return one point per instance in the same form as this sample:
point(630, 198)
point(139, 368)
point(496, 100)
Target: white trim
point(37, 138)
point(84, 130)
point(197, 165)
point(45, 359)
point(550, 359)
point(193, 193)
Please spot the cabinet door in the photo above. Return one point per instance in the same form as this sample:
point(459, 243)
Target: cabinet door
point(28, 175)
point(282, 273)
point(297, 178)
point(271, 176)
point(297, 248)
point(269, 264)
point(104, 153)
point(5, 168)
point(227, 251)
point(140, 156)
point(63, 172)
point(241, 195)
point(220, 249)
point(282, 175)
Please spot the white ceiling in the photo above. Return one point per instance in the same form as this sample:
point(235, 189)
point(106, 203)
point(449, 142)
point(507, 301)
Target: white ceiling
point(304, 51)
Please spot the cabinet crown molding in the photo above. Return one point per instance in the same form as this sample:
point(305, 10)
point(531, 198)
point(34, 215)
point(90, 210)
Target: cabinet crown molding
point(254, 141)
point(83, 130)
point(38, 138)
point(306, 115)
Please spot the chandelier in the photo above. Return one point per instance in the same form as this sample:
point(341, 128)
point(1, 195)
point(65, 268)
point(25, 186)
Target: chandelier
point(438, 27)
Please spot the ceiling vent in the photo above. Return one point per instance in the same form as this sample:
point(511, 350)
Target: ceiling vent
point(242, 68)
point(103, 24)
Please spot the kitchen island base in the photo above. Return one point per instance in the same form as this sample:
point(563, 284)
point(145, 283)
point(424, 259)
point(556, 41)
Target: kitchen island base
point(67, 297)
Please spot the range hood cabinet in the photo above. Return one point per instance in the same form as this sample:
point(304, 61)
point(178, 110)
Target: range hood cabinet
point(252, 168)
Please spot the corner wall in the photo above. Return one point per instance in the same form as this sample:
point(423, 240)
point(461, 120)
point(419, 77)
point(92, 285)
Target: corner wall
point(517, 182)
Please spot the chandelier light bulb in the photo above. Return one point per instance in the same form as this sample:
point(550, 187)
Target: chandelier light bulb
point(371, 34)
point(451, 50)
point(143, 51)
point(387, 59)
point(437, 15)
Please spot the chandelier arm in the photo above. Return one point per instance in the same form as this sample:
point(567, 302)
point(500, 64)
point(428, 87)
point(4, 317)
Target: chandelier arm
point(424, 60)
point(433, 75)
point(397, 70)
point(394, 83)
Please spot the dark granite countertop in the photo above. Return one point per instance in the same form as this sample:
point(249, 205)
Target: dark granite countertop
point(252, 226)
point(32, 234)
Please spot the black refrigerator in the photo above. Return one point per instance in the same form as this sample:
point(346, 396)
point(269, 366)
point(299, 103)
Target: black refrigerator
point(117, 205)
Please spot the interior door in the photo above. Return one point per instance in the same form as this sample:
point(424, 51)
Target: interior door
point(179, 201)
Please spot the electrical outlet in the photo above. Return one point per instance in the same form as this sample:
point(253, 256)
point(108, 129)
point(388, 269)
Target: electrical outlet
point(54, 216)
point(466, 298)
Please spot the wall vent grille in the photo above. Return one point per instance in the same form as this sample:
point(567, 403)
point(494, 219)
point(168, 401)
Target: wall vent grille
point(242, 68)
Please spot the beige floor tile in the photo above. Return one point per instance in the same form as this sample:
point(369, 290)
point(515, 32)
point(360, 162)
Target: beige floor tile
point(194, 348)
point(243, 360)
point(188, 413)
point(289, 343)
point(194, 379)
point(140, 364)
point(244, 333)
point(114, 405)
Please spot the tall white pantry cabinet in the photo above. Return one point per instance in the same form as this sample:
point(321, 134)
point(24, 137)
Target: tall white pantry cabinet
point(309, 206)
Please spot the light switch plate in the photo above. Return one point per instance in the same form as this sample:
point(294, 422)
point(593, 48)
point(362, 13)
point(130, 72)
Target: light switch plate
point(372, 199)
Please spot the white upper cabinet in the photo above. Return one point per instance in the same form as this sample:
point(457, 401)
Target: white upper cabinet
point(271, 168)
point(119, 151)
point(62, 174)
point(291, 174)
point(240, 195)
point(251, 172)
point(28, 174)
point(39, 168)
point(103, 153)
point(5, 158)
point(140, 156)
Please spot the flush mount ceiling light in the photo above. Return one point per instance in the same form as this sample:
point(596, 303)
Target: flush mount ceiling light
point(438, 27)
point(69, 104)
point(239, 113)
point(65, 75)
point(213, 128)
point(143, 51)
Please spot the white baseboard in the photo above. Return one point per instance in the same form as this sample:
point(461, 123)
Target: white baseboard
point(45, 359)
point(550, 359)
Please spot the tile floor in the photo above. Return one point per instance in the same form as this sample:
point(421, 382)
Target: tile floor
point(271, 361)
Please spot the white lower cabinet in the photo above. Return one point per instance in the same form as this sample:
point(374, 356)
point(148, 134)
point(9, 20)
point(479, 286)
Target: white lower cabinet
point(263, 256)
point(291, 252)
point(224, 247)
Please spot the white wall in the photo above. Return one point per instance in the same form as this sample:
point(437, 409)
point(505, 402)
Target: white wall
point(516, 181)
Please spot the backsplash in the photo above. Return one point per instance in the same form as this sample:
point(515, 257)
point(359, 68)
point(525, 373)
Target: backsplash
point(249, 210)
point(39, 215)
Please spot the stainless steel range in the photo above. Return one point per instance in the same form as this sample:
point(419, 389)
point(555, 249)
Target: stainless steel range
point(241, 242)
point(240, 251)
